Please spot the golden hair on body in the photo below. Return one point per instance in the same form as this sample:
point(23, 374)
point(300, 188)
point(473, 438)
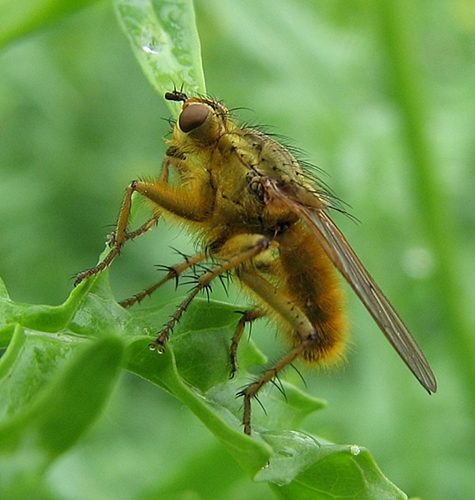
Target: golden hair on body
point(259, 215)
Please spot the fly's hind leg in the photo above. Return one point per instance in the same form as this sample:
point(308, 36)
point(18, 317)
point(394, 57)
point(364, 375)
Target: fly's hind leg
point(293, 316)
point(251, 391)
point(256, 244)
point(247, 317)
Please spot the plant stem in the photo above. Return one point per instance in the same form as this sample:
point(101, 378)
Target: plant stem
point(400, 47)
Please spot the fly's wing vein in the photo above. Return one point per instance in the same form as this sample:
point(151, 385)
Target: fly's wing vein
point(347, 262)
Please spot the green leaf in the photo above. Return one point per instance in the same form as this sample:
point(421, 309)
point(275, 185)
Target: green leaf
point(51, 394)
point(54, 383)
point(21, 17)
point(165, 42)
point(303, 468)
point(198, 352)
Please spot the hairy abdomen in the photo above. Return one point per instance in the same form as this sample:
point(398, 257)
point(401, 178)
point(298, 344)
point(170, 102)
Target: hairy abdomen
point(310, 282)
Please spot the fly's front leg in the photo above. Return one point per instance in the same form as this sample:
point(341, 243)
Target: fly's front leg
point(120, 235)
point(133, 187)
point(193, 202)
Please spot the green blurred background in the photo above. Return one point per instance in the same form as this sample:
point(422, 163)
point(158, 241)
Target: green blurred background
point(379, 96)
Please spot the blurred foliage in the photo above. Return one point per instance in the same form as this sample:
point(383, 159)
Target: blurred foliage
point(378, 94)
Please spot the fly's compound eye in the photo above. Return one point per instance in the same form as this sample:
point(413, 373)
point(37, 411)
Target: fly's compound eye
point(192, 117)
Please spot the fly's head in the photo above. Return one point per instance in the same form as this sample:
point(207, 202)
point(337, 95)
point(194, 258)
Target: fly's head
point(201, 123)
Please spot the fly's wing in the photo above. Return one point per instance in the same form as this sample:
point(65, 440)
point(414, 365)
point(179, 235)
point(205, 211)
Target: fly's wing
point(347, 262)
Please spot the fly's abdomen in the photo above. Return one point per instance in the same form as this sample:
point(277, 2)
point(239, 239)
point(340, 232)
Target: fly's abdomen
point(310, 282)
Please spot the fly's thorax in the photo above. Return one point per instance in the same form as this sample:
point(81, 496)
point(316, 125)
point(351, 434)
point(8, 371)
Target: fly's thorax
point(275, 162)
point(270, 158)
